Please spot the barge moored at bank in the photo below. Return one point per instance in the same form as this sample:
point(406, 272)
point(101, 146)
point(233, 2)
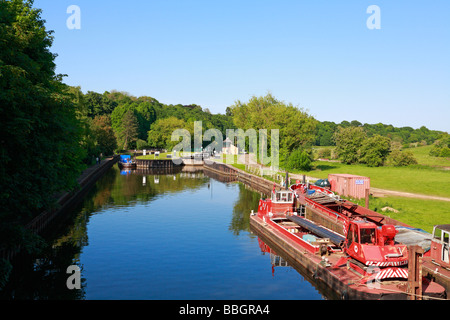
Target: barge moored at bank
point(363, 263)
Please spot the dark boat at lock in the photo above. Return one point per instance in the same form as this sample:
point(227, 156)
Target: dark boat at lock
point(125, 162)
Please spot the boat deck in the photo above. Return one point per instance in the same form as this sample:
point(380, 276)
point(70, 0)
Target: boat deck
point(332, 268)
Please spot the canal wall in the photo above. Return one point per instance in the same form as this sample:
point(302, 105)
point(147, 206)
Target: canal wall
point(258, 183)
point(167, 163)
point(66, 200)
point(151, 164)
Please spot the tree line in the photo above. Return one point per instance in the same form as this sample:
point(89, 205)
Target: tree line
point(116, 121)
point(404, 136)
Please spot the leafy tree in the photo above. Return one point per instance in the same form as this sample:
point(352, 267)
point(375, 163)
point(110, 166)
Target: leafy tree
point(348, 142)
point(127, 134)
point(160, 133)
point(374, 150)
point(402, 158)
point(40, 134)
point(296, 127)
point(99, 104)
point(146, 115)
point(299, 159)
point(105, 139)
point(441, 147)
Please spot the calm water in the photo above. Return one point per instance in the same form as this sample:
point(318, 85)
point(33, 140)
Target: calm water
point(160, 236)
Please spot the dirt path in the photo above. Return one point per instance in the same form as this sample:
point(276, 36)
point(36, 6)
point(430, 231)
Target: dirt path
point(381, 192)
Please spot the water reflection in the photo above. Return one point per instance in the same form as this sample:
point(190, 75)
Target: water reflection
point(278, 259)
point(44, 276)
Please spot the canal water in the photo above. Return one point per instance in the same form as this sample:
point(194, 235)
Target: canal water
point(176, 235)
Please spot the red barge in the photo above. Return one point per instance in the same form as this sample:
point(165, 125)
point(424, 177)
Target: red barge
point(362, 262)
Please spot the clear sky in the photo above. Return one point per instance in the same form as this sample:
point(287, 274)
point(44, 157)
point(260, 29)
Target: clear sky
point(318, 55)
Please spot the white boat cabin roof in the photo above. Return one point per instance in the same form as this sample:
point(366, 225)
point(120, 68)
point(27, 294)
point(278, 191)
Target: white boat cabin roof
point(283, 196)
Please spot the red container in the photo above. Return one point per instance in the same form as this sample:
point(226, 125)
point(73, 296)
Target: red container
point(349, 185)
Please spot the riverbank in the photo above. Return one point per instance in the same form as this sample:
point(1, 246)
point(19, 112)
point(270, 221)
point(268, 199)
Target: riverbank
point(65, 200)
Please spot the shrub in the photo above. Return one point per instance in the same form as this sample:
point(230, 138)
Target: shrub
point(374, 150)
point(142, 144)
point(405, 158)
point(299, 159)
point(324, 153)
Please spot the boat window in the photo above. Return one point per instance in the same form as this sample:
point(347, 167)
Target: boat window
point(368, 235)
point(278, 196)
point(437, 233)
point(445, 237)
point(352, 235)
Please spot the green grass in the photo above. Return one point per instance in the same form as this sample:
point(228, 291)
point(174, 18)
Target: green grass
point(423, 157)
point(415, 179)
point(419, 213)
point(231, 160)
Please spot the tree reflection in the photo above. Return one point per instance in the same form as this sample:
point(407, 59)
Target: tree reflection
point(248, 201)
point(44, 275)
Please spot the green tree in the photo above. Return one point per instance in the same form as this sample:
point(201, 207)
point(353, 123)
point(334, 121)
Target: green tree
point(99, 104)
point(374, 150)
point(160, 134)
point(296, 127)
point(146, 115)
point(127, 133)
point(348, 142)
point(402, 158)
point(105, 139)
point(40, 134)
point(441, 147)
point(299, 159)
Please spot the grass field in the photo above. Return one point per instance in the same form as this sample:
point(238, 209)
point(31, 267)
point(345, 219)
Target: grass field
point(418, 213)
point(428, 177)
point(415, 179)
point(423, 157)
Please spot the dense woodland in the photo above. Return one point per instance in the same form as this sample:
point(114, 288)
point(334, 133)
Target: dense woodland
point(50, 132)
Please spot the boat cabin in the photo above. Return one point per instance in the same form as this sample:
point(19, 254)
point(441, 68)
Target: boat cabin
point(278, 204)
point(284, 196)
point(440, 244)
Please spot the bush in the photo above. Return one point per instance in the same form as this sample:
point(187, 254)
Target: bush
point(324, 153)
point(299, 159)
point(399, 158)
point(441, 147)
point(142, 144)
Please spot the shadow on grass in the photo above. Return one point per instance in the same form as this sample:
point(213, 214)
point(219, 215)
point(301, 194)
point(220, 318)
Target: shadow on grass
point(323, 167)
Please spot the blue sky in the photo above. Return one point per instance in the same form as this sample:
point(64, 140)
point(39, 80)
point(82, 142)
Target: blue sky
point(318, 55)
